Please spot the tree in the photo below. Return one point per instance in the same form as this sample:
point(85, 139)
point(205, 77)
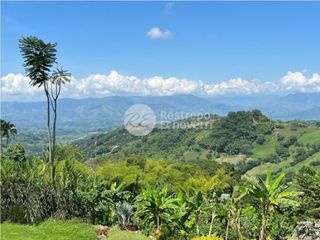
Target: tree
point(271, 196)
point(39, 58)
point(308, 181)
point(7, 129)
point(58, 78)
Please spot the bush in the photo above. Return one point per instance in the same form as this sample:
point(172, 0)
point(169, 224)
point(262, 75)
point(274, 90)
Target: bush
point(272, 158)
point(282, 151)
point(280, 137)
point(246, 149)
point(260, 139)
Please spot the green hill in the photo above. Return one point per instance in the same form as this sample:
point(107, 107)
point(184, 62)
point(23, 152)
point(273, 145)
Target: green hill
point(249, 140)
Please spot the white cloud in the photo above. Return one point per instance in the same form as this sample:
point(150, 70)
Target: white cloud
point(239, 86)
point(117, 84)
point(298, 81)
point(15, 87)
point(170, 86)
point(157, 33)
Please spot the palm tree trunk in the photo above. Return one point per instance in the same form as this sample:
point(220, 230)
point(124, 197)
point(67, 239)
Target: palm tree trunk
point(49, 133)
point(213, 216)
point(55, 112)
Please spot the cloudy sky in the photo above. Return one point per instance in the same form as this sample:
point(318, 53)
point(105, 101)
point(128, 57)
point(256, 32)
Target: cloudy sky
point(167, 48)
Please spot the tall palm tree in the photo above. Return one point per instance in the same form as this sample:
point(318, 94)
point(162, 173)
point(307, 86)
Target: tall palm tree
point(38, 58)
point(271, 196)
point(8, 129)
point(58, 78)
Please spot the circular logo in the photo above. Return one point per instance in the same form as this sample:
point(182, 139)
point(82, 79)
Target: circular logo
point(139, 120)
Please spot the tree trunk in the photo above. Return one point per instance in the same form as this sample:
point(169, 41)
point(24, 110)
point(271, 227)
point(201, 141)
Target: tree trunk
point(49, 134)
point(55, 112)
point(213, 216)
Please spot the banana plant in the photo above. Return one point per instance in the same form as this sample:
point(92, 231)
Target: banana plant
point(271, 196)
point(156, 206)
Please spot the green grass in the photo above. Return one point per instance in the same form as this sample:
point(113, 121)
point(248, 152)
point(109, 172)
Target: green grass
point(310, 135)
point(295, 168)
point(284, 166)
point(61, 230)
point(305, 135)
point(235, 159)
point(265, 149)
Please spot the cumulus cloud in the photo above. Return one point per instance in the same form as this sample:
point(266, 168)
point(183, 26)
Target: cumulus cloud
point(298, 81)
point(117, 84)
point(157, 33)
point(16, 86)
point(239, 86)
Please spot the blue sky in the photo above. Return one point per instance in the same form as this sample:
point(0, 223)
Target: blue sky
point(207, 41)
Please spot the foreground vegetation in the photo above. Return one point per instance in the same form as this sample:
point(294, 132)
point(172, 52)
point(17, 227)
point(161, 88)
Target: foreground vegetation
point(169, 200)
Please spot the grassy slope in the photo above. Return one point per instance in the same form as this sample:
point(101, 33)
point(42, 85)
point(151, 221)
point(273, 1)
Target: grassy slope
point(61, 230)
point(305, 135)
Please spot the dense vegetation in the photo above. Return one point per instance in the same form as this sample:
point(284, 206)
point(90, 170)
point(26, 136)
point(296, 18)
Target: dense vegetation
point(182, 200)
point(210, 180)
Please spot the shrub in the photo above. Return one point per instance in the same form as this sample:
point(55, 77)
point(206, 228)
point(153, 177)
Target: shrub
point(260, 139)
point(280, 137)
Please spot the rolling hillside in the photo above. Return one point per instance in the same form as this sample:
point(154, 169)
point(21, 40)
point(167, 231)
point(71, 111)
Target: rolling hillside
point(248, 140)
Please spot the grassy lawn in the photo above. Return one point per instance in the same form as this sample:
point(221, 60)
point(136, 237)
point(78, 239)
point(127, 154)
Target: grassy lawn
point(61, 230)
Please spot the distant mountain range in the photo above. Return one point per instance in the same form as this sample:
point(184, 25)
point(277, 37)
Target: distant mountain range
point(107, 112)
